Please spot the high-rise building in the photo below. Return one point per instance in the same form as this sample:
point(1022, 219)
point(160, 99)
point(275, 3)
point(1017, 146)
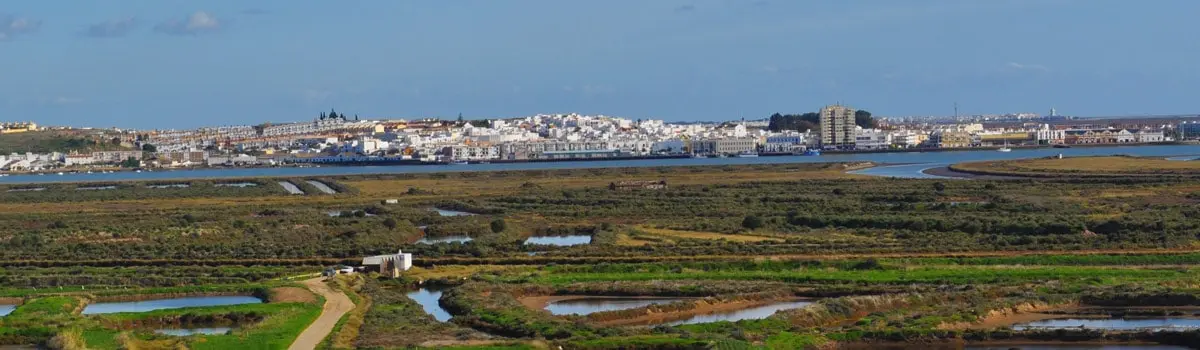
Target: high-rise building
point(837, 127)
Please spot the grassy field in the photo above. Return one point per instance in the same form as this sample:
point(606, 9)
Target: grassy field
point(882, 259)
point(1074, 166)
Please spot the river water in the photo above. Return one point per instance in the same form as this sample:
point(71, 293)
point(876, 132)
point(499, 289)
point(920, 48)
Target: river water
point(943, 158)
point(428, 298)
point(175, 303)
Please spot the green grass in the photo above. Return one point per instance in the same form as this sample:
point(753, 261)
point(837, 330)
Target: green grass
point(1072, 260)
point(46, 307)
point(789, 341)
point(284, 321)
point(953, 275)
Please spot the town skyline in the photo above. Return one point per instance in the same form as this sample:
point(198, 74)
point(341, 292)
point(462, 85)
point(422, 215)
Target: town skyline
point(174, 64)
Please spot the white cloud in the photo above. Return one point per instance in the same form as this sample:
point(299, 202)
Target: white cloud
point(1022, 66)
point(12, 26)
point(198, 23)
point(111, 29)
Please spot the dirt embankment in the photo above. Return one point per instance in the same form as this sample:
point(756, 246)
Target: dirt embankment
point(1021, 313)
point(656, 314)
point(543, 301)
point(291, 295)
point(11, 301)
point(143, 297)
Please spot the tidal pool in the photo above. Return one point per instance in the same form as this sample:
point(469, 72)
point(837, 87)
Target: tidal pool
point(446, 239)
point(175, 303)
point(428, 298)
point(1158, 323)
point(183, 332)
point(753, 313)
point(562, 241)
point(588, 305)
point(447, 212)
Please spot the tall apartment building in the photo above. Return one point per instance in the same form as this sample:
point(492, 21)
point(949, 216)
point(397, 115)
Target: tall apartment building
point(837, 127)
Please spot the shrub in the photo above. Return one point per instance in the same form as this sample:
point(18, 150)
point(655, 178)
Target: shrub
point(499, 225)
point(752, 222)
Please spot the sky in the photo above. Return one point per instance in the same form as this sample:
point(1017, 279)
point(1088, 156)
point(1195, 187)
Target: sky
point(182, 63)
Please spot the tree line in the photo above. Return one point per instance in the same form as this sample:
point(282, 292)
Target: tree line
point(812, 120)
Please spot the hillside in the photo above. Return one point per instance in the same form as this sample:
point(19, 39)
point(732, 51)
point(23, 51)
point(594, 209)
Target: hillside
point(57, 141)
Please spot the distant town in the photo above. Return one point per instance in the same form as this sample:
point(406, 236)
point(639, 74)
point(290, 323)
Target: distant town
point(338, 139)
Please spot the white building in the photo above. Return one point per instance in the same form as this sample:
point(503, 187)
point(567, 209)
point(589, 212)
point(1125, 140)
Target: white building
point(389, 265)
point(872, 139)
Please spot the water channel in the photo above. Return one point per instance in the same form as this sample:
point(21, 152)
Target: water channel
point(7, 309)
point(183, 332)
point(321, 186)
point(588, 305)
point(448, 212)
point(175, 303)
point(935, 158)
point(562, 241)
point(753, 313)
point(428, 298)
point(1158, 323)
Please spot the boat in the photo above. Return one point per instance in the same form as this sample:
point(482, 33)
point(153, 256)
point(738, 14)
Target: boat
point(748, 155)
point(697, 155)
point(812, 152)
point(458, 162)
point(3, 175)
point(1061, 146)
point(1005, 148)
point(60, 173)
point(485, 162)
point(722, 156)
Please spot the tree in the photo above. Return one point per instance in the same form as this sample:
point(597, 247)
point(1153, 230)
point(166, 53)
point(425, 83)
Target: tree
point(499, 225)
point(460, 119)
point(863, 118)
point(752, 222)
point(333, 114)
point(131, 163)
point(149, 148)
point(390, 223)
point(799, 122)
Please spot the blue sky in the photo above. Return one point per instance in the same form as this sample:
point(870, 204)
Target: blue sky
point(177, 63)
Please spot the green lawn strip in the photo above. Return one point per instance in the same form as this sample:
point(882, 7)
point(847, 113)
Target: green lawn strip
point(283, 322)
point(638, 342)
point(46, 307)
point(211, 288)
point(1057, 260)
point(957, 275)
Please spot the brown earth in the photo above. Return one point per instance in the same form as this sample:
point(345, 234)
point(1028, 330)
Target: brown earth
point(291, 295)
point(702, 308)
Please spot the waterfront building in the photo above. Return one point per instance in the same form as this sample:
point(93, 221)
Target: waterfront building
point(725, 146)
point(784, 143)
point(837, 127)
point(872, 139)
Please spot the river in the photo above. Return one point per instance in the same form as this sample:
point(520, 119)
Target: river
point(933, 158)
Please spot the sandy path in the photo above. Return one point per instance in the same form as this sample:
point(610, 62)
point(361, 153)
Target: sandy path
point(336, 305)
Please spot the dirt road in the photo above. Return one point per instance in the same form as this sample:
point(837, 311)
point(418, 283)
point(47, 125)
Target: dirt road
point(336, 305)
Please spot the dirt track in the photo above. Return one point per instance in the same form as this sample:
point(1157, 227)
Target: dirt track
point(336, 305)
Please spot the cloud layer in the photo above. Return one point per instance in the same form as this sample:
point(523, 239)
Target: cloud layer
point(111, 29)
point(198, 23)
point(12, 26)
